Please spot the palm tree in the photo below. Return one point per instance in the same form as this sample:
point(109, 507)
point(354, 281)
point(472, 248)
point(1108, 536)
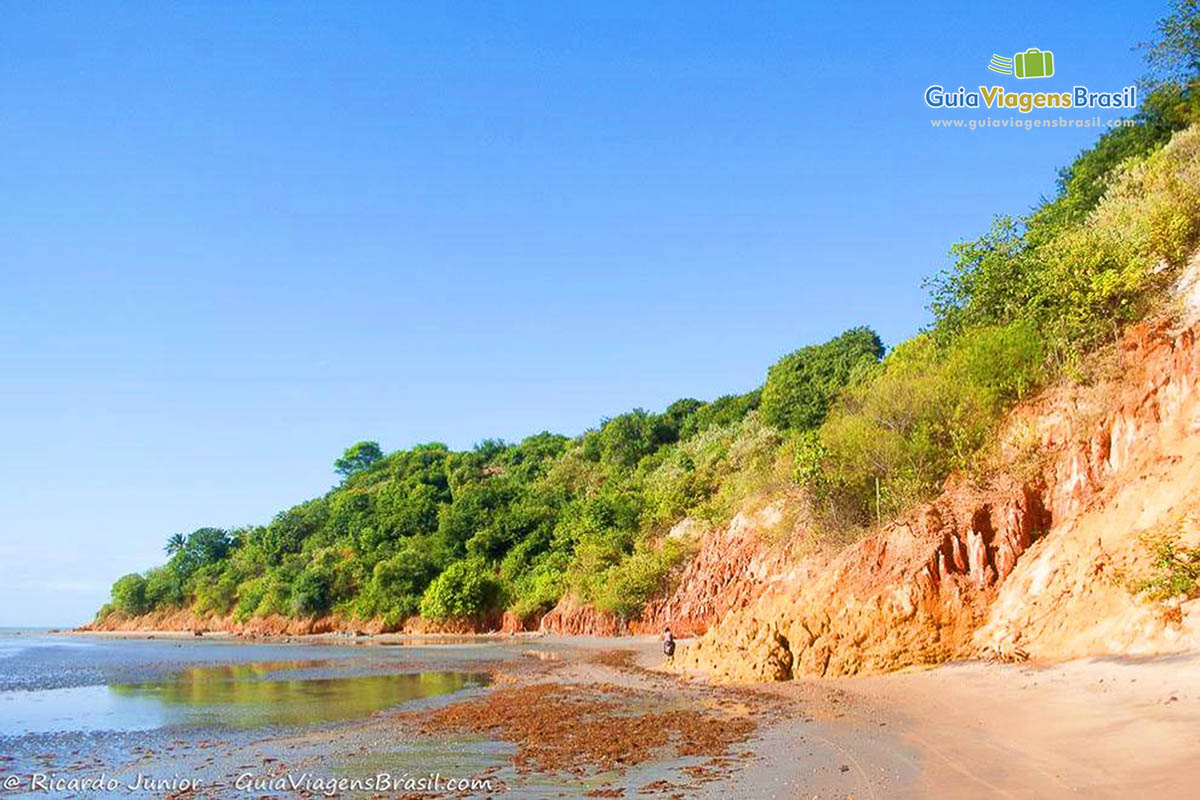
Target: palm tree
point(175, 543)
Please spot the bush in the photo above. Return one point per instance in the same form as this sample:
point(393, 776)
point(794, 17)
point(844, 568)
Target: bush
point(164, 589)
point(751, 470)
point(725, 410)
point(249, 596)
point(310, 594)
point(801, 386)
point(689, 474)
point(276, 598)
point(626, 439)
point(895, 436)
point(1175, 570)
point(215, 590)
point(1079, 277)
point(537, 586)
point(625, 588)
point(398, 583)
point(465, 590)
point(1005, 362)
point(129, 595)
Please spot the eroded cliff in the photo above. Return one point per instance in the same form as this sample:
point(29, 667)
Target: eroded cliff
point(1038, 560)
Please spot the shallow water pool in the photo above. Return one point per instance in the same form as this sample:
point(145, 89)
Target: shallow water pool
point(230, 696)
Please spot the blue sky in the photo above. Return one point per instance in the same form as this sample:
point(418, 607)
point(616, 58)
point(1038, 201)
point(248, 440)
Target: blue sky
point(235, 238)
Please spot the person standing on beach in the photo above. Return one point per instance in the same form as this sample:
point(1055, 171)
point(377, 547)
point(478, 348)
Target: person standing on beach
point(668, 644)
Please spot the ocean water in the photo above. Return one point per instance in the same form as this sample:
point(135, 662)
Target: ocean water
point(61, 692)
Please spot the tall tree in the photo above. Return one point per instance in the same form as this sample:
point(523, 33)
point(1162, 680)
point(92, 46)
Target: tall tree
point(1175, 55)
point(358, 457)
point(175, 543)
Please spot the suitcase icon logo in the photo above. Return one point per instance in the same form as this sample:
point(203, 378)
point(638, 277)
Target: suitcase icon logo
point(1033, 63)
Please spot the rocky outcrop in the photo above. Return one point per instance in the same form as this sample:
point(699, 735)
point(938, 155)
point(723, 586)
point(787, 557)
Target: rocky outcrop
point(1038, 565)
point(1130, 471)
point(911, 593)
point(512, 623)
point(732, 568)
point(572, 618)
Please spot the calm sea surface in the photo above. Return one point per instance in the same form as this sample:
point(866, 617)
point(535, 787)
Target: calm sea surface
point(76, 694)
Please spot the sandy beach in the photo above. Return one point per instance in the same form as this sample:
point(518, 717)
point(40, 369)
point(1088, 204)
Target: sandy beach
point(592, 717)
point(1106, 727)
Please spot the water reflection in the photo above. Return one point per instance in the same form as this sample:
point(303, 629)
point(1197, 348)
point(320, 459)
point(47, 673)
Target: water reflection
point(247, 695)
point(251, 695)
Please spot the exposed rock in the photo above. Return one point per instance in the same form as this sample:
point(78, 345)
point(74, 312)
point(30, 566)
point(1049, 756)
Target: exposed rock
point(572, 618)
point(953, 579)
point(732, 568)
point(1131, 470)
point(912, 593)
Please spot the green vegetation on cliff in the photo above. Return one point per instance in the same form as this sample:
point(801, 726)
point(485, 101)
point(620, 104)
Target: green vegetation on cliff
point(465, 535)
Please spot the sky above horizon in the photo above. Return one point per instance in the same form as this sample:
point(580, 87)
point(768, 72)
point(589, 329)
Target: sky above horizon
point(236, 238)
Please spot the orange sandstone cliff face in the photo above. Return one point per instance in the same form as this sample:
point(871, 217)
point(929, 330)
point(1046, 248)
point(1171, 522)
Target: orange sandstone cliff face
point(1038, 566)
point(732, 568)
point(1132, 470)
point(912, 593)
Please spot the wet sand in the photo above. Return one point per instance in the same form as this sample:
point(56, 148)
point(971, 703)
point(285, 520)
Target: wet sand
point(582, 717)
point(573, 717)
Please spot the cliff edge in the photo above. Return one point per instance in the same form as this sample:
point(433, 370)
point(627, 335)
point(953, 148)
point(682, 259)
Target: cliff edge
point(1041, 559)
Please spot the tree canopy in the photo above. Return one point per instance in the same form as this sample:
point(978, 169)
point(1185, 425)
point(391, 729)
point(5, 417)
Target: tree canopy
point(358, 457)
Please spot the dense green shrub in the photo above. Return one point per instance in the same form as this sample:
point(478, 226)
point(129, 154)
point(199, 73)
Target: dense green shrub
point(311, 594)
point(1090, 261)
point(249, 596)
point(628, 584)
point(725, 410)
point(276, 597)
point(924, 412)
point(801, 386)
point(164, 588)
point(397, 584)
point(129, 595)
point(465, 590)
point(539, 588)
point(689, 474)
point(215, 592)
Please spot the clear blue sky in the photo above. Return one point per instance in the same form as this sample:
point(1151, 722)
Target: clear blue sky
point(237, 237)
